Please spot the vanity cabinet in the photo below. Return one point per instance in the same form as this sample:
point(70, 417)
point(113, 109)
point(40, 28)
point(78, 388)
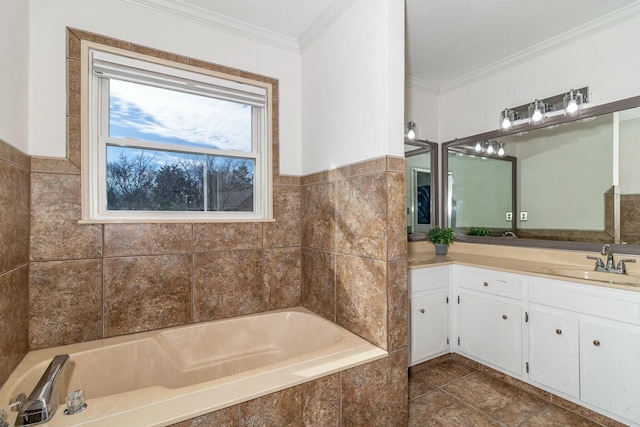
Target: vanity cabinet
point(489, 317)
point(429, 323)
point(553, 349)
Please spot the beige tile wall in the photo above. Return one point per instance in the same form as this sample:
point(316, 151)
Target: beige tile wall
point(14, 258)
point(337, 246)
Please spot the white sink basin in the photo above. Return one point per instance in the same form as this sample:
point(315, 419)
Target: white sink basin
point(600, 276)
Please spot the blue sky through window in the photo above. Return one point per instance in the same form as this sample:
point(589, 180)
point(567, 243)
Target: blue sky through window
point(163, 115)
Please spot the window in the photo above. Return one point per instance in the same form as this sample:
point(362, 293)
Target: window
point(172, 142)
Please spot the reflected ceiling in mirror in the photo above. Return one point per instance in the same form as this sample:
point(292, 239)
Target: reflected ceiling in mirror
point(575, 180)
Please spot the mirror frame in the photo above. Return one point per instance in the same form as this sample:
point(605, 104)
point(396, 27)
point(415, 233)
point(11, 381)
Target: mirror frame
point(426, 147)
point(586, 112)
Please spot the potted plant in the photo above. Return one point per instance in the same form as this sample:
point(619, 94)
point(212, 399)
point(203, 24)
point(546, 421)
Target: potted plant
point(478, 231)
point(441, 238)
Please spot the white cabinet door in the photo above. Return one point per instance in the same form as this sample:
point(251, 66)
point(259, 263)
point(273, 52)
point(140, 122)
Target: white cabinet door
point(429, 319)
point(553, 349)
point(490, 329)
point(610, 361)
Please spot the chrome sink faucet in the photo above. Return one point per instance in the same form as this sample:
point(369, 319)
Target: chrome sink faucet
point(610, 265)
point(42, 403)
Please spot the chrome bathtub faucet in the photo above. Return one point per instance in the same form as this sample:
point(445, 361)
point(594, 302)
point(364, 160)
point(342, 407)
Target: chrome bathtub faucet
point(42, 403)
point(610, 265)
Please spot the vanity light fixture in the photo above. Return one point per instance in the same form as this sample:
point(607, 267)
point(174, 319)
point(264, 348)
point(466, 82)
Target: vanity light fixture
point(507, 118)
point(572, 102)
point(410, 131)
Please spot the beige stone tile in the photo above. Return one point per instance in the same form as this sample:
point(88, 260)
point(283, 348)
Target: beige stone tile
point(14, 216)
point(319, 282)
point(287, 180)
point(438, 409)
point(553, 416)
point(418, 385)
point(287, 212)
point(55, 211)
point(14, 327)
point(321, 402)
point(227, 284)
point(368, 167)
point(276, 409)
point(65, 300)
point(445, 373)
point(74, 141)
point(318, 213)
point(397, 219)
point(160, 54)
point(361, 216)
point(213, 67)
point(496, 398)
point(145, 293)
point(282, 278)
point(375, 394)
point(73, 87)
point(227, 417)
point(314, 178)
point(585, 412)
point(361, 298)
point(396, 164)
point(397, 306)
point(53, 165)
point(85, 35)
point(227, 236)
point(146, 239)
point(339, 173)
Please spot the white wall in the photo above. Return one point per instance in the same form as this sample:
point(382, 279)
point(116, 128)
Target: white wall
point(14, 44)
point(119, 19)
point(353, 88)
point(607, 62)
point(421, 107)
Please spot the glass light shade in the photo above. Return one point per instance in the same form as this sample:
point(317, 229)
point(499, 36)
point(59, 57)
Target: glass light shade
point(410, 131)
point(506, 119)
point(501, 151)
point(572, 101)
point(490, 148)
point(536, 111)
point(478, 147)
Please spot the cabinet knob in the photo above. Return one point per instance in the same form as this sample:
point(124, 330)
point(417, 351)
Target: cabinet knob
point(504, 316)
point(596, 343)
point(486, 283)
point(422, 310)
point(559, 331)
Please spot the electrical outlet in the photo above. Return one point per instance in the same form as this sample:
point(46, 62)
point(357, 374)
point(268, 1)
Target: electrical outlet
point(524, 216)
point(509, 216)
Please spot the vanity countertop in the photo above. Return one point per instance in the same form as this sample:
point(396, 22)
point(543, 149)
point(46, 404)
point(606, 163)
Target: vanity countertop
point(564, 270)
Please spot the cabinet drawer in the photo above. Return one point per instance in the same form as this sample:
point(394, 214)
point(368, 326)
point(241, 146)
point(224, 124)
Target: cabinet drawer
point(426, 279)
point(495, 283)
point(614, 304)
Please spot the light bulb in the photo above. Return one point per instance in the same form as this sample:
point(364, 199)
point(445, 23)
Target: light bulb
point(506, 119)
point(490, 148)
point(478, 147)
point(411, 134)
point(537, 115)
point(506, 123)
point(501, 150)
point(572, 107)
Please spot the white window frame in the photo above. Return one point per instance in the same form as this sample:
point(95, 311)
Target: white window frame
point(97, 60)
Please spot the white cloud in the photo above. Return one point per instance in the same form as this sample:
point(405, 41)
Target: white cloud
point(191, 118)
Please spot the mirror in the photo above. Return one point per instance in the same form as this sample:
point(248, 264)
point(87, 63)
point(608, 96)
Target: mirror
point(571, 182)
point(422, 182)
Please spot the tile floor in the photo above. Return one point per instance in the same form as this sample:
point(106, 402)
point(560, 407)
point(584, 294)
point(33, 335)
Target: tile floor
point(451, 393)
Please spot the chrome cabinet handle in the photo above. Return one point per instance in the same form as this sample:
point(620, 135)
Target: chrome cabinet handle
point(596, 343)
point(559, 331)
point(504, 316)
point(422, 310)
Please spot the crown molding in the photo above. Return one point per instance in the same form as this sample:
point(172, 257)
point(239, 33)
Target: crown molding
point(337, 9)
point(180, 9)
point(414, 82)
point(590, 28)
